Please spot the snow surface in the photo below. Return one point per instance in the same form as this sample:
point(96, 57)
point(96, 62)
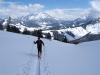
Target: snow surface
point(94, 29)
point(77, 31)
point(18, 56)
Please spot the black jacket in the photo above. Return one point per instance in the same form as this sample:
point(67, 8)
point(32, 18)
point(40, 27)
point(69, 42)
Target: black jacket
point(39, 43)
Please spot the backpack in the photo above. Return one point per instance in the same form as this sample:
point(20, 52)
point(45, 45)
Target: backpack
point(39, 42)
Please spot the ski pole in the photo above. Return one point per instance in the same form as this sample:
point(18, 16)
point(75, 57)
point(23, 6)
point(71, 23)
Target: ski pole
point(32, 48)
point(44, 47)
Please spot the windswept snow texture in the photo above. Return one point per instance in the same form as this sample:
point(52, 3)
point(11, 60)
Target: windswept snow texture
point(18, 56)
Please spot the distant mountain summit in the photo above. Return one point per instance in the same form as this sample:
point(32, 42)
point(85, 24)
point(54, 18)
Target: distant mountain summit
point(78, 22)
point(35, 20)
point(41, 19)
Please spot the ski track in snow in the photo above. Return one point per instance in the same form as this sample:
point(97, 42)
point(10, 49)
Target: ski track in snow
point(45, 68)
point(32, 65)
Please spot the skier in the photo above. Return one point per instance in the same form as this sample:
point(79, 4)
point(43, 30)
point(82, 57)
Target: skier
point(39, 43)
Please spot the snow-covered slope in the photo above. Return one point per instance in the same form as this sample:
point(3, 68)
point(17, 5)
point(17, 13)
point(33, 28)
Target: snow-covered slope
point(77, 32)
point(94, 29)
point(70, 33)
point(18, 56)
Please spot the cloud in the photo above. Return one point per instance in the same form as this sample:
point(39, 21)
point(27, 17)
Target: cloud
point(72, 14)
point(12, 8)
point(95, 9)
point(19, 9)
point(1, 1)
point(67, 14)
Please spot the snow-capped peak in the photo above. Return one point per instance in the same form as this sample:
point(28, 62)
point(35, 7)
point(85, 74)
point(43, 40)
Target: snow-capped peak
point(38, 16)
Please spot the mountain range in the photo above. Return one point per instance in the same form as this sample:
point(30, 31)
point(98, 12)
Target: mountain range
point(76, 28)
point(44, 19)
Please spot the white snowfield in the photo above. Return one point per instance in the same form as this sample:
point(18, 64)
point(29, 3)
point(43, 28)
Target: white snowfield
point(18, 56)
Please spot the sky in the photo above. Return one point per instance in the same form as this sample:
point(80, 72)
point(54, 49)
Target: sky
point(59, 9)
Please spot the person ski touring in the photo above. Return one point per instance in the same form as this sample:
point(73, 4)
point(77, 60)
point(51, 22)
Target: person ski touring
point(39, 43)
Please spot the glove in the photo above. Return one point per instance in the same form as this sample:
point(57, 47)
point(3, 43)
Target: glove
point(34, 42)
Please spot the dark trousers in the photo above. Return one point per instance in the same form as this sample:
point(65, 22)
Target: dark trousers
point(39, 50)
